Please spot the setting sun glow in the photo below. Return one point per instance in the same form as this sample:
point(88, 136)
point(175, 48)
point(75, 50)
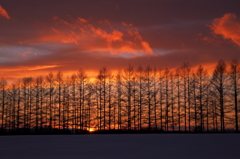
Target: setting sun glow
point(91, 129)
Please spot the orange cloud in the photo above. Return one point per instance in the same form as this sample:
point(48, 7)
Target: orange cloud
point(61, 37)
point(146, 47)
point(134, 33)
point(28, 68)
point(110, 37)
point(25, 53)
point(82, 20)
point(28, 52)
point(128, 49)
point(127, 25)
point(3, 13)
point(25, 71)
point(228, 27)
point(94, 38)
point(137, 37)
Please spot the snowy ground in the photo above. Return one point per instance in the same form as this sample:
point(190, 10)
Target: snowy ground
point(121, 146)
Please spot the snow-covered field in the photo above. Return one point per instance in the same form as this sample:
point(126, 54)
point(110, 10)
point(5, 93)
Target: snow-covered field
point(121, 146)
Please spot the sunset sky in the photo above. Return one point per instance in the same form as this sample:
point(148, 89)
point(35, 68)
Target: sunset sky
point(37, 37)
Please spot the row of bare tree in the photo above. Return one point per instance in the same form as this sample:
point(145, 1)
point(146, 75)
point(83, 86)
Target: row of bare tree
point(183, 99)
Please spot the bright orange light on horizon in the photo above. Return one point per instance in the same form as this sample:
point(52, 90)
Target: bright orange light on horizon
point(14, 74)
point(91, 129)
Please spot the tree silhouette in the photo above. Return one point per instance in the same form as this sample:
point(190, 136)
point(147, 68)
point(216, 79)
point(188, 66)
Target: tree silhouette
point(235, 77)
point(145, 99)
point(218, 80)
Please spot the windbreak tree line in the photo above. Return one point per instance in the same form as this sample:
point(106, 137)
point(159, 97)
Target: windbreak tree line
point(141, 99)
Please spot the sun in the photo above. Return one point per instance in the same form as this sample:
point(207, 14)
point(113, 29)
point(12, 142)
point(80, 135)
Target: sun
point(91, 129)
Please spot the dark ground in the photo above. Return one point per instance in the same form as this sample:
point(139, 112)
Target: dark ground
point(121, 146)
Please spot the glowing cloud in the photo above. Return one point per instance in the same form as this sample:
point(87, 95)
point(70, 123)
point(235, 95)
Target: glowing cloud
point(26, 53)
point(90, 37)
point(82, 20)
point(28, 68)
point(110, 37)
point(147, 48)
point(127, 25)
point(228, 26)
point(3, 13)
